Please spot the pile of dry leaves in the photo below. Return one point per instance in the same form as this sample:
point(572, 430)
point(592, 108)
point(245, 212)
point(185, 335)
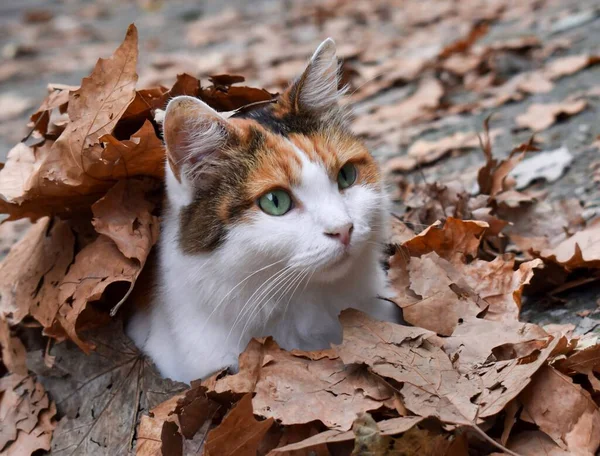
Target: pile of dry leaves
point(466, 378)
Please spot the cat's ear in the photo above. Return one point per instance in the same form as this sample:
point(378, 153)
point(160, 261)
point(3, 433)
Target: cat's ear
point(193, 131)
point(317, 88)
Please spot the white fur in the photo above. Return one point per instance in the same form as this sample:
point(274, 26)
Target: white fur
point(279, 276)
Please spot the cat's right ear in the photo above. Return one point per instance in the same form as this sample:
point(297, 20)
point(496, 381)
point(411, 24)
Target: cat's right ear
point(193, 131)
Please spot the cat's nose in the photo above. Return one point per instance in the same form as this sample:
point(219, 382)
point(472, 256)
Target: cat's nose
point(343, 233)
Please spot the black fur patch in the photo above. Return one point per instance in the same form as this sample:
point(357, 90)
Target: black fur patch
point(202, 226)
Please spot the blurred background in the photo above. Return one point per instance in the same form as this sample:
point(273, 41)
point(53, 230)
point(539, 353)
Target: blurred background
point(424, 74)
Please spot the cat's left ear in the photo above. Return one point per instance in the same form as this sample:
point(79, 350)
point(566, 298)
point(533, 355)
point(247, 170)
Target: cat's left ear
point(317, 89)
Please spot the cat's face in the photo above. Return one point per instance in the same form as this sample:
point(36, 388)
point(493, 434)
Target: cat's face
point(283, 184)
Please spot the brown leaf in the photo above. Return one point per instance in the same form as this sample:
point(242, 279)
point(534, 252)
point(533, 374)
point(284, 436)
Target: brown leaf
point(443, 303)
point(431, 385)
point(296, 390)
point(582, 250)
point(468, 348)
point(498, 283)
point(107, 259)
point(504, 380)
point(586, 361)
point(239, 434)
point(102, 395)
point(534, 443)
point(563, 410)
point(571, 64)
point(453, 241)
point(232, 98)
point(424, 151)
point(124, 215)
point(541, 116)
point(26, 416)
point(30, 274)
point(477, 32)
point(142, 154)
point(392, 426)
point(12, 350)
point(70, 167)
point(149, 433)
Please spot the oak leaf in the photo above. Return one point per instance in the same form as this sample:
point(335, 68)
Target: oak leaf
point(239, 434)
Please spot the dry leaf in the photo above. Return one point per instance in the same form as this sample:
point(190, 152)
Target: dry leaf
point(533, 443)
point(580, 250)
point(431, 386)
point(70, 169)
point(541, 116)
point(26, 416)
point(12, 350)
point(392, 426)
point(563, 410)
point(424, 151)
point(586, 361)
point(30, 274)
point(571, 64)
point(549, 165)
point(239, 434)
point(295, 390)
point(443, 302)
point(468, 349)
point(100, 395)
point(453, 241)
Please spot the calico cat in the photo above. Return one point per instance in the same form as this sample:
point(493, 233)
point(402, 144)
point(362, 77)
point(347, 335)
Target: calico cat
point(275, 222)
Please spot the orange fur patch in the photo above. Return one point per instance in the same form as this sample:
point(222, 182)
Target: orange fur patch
point(334, 150)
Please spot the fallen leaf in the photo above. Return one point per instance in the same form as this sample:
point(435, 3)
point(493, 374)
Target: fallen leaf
point(424, 151)
point(70, 168)
point(541, 116)
point(295, 390)
point(30, 274)
point(124, 215)
point(586, 361)
point(431, 386)
point(533, 443)
point(468, 349)
point(12, 350)
point(26, 416)
point(563, 410)
point(571, 64)
point(142, 154)
point(393, 426)
point(580, 250)
point(477, 32)
point(453, 241)
point(443, 303)
point(100, 395)
point(239, 433)
point(549, 165)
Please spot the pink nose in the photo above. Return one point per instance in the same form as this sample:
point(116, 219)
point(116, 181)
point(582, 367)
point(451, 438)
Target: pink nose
point(343, 233)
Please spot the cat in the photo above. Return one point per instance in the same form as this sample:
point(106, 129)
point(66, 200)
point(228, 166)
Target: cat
point(275, 221)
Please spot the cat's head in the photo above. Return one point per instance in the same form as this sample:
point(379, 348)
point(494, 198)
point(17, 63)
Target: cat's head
point(285, 183)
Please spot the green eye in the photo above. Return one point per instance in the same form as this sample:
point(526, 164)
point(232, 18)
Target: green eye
point(277, 202)
point(346, 176)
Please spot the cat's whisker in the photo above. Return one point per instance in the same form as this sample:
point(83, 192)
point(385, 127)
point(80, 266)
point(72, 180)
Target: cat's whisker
point(264, 301)
point(267, 294)
point(281, 296)
point(234, 288)
point(266, 286)
point(305, 285)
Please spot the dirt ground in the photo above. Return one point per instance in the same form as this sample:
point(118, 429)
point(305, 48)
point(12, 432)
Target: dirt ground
point(60, 41)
